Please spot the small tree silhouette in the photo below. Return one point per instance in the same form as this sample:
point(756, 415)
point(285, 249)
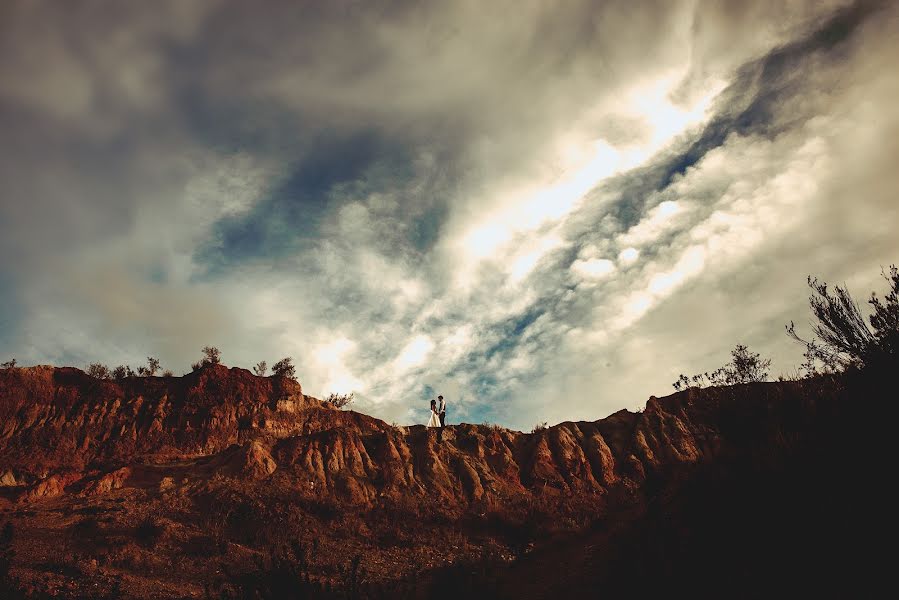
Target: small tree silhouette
point(284, 368)
point(744, 367)
point(122, 371)
point(842, 338)
point(10, 364)
point(211, 356)
point(99, 371)
point(340, 400)
point(151, 368)
point(261, 368)
point(153, 365)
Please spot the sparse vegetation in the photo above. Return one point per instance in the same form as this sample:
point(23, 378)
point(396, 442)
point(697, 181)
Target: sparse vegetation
point(842, 339)
point(10, 364)
point(539, 427)
point(284, 368)
point(122, 371)
point(168, 373)
point(261, 368)
point(211, 356)
point(340, 400)
point(151, 369)
point(744, 367)
point(99, 371)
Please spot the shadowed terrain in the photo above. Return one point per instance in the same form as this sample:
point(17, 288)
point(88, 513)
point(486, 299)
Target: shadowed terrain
point(221, 483)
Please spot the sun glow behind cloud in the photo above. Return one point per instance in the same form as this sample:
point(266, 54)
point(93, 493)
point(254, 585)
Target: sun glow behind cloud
point(530, 207)
point(331, 359)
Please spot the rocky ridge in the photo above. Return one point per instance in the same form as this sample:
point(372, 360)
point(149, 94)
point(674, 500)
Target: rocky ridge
point(212, 484)
point(62, 431)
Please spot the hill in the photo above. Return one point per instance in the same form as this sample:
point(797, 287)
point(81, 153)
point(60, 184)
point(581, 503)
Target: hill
point(221, 483)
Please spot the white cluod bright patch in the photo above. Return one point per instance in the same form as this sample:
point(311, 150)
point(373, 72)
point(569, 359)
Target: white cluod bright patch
point(331, 360)
point(667, 120)
point(628, 256)
point(594, 268)
point(414, 354)
point(526, 261)
point(690, 264)
point(661, 220)
point(531, 206)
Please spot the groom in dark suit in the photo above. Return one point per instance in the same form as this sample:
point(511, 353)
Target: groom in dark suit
point(441, 410)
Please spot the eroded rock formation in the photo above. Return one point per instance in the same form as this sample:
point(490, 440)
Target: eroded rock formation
point(63, 431)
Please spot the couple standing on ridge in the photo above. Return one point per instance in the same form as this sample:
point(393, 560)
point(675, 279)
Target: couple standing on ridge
point(438, 413)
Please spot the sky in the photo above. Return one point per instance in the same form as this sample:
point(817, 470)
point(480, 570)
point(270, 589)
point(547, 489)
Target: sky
point(545, 211)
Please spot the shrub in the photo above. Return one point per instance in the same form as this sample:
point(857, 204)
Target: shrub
point(168, 373)
point(151, 368)
point(261, 368)
point(539, 427)
point(211, 356)
point(340, 400)
point(744, 367)
point(284, 368)
point(842, 339)
point(10, 364)
point(122, 371)
point(99, 371)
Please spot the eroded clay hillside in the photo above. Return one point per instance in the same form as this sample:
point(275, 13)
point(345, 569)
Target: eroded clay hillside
point(231, 467)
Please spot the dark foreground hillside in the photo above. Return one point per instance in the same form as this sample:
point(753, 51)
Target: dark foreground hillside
point(224, 484)
point(795, 508)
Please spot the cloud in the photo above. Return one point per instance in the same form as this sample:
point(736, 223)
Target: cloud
point(594, 268)
point(628, 256)
point(543, 216)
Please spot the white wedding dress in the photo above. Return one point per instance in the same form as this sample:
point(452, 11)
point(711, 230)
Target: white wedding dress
point(434, 421)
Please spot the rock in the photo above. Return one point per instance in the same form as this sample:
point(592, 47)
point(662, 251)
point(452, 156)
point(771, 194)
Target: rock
point(257, 463)
point(8, 479)
point(251, 462)
point(51, 487)
point(64, 419)
point(61, 418)
point(108, 482)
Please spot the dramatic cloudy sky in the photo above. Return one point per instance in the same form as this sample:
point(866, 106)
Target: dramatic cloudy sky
point(544, 210)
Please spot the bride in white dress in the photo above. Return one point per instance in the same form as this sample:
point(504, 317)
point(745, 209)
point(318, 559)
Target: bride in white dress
point(434, 421)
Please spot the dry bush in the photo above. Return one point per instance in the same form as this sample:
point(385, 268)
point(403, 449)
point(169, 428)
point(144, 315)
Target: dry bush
point(340, 400)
